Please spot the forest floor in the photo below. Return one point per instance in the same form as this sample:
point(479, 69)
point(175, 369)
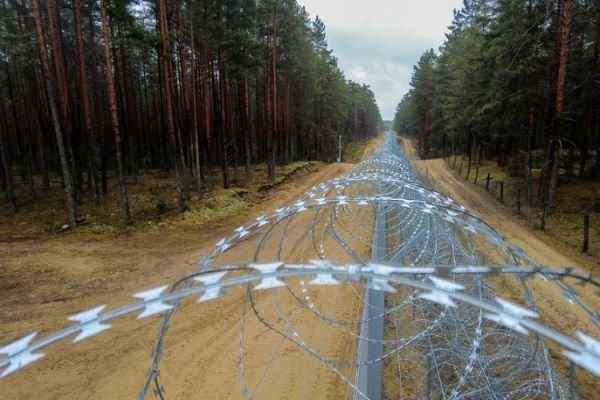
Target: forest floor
point(47, 276)
point(153, 203)
point(545, 248)
point(575, 198)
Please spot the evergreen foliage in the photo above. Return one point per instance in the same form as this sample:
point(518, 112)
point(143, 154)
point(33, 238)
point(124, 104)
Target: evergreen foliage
point(195, 85)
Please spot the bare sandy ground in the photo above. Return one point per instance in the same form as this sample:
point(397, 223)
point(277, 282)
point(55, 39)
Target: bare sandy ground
point(44, 281)
point(556, 312)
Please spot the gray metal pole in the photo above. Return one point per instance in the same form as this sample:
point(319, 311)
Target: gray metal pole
point(369, 376)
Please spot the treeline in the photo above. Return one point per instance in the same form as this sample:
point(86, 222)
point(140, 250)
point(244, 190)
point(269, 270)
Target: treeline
point(94, 88)
point(512, 77)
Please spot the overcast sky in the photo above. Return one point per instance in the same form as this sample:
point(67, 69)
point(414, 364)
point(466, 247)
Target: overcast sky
point(377, 42)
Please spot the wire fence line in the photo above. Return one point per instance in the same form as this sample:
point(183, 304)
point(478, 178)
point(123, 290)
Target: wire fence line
point(447, 329)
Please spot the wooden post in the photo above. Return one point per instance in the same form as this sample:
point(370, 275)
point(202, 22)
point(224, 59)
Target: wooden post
point(487, 182)
point(427, 172)
point(586, 232)
point(476, 175)
point(543, 222)
point(469, 172)
point(454, 165)
point(460, 169)
point(519, 201)
point(501, 192)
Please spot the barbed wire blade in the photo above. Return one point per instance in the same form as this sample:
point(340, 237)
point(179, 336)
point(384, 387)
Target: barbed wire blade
point(211, 279)
point(584, 360)
point(18, 356)
point(445, 284)
point(268, 283)
point(153, 303)
point(381, 285)
point(516, 309)
point(341, 200)
point(590, 343)
point(88, 327)
point(324, 280)
point(18, 345)
point(438, 297)
point(381, 269)
point(507, 321)
point(300, 206)
point(589, 359)
point(261, 221)
point(21, 361)
point(511, 316)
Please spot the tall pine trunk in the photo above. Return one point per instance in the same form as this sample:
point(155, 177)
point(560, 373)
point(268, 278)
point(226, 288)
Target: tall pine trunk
point(60, 143)
point(86, 115)
point(245, 97)
point(167, 82)
point(7, 179)
point(555, 143)
point(194, 99)
point(100, 149)
point(112, 102)
point(588, 124)
point(62, 92)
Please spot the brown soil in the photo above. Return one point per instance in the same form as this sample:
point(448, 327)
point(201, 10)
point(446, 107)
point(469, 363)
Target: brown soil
point(44, 280)
point(555, 311)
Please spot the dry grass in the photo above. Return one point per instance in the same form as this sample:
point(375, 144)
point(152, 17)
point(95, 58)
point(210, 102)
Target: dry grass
point(352, 152)
point(574, 200)
point(153, 200)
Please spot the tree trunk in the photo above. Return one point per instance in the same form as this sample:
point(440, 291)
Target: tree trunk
point(589, 110)
point(85, 101)
point(528, 156)
point(99, 152)
point(207, 114)
point(272, 97)
point(112, 102)
point(62, 92)
point(555, 145)
point(167, 80)
point(246, 127)
point(65, 165)
point(194, 99)
point(8, 183)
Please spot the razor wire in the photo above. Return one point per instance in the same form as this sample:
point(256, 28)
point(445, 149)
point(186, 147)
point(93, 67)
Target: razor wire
point(453, 335)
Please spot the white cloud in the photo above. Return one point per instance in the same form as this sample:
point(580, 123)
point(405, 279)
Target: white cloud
point(377, 42)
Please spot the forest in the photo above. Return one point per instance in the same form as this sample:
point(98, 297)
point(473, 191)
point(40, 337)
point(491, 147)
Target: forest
point(516, 81)
point(93, 90)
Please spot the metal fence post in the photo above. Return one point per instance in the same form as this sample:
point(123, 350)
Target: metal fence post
point(572, 381)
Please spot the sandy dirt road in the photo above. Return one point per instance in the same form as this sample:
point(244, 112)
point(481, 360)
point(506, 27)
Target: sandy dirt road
point(44, 281)
point(555, 311)
point(437, 174)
